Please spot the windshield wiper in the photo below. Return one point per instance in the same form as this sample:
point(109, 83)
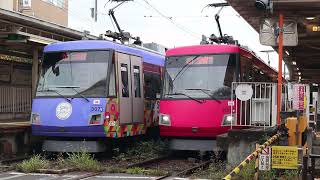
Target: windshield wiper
point(185, 68)
point(206, 91)
point(74, 89)
point(186, 96)
point(52, 90)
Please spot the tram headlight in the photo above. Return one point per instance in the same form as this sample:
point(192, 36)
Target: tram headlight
point(229, 120)
point(165, 120)
point(35, 118)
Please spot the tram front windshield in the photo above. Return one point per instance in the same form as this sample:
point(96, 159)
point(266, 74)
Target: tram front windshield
point(72, 74)
point(199, 76)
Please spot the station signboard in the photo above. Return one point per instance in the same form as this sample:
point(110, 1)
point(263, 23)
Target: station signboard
point(298, 96)
point(284, 157)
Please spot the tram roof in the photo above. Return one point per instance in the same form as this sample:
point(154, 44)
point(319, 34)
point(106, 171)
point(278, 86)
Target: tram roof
point(221, 49)
point(203, 49)
point(147, 55)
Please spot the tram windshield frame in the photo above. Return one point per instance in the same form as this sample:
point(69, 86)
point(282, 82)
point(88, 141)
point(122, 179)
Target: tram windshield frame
point(85, 73)
point(203, 76)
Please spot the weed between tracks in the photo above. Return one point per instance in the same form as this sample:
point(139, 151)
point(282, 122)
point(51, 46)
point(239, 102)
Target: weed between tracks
point(219, 170)
point(34, 163)
point(214, 171)
point(142, 150)
point(138, 170)
point(82, 161)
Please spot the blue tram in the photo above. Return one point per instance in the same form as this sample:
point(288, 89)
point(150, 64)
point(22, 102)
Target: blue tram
point(95, 89)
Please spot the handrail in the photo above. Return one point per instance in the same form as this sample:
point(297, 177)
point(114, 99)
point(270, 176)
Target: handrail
point(252, 156)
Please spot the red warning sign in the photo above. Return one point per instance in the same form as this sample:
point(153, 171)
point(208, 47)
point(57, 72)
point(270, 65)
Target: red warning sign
point(266, 151)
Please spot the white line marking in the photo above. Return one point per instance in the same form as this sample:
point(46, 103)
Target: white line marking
point(11, 177)
point(124, 177)
point(42, 174)
point(48, 178)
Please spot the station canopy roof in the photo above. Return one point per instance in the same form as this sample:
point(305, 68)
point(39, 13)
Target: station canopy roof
point(20, 34)
point(307, 13)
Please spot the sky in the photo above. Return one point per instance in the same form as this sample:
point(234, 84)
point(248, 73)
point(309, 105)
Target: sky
point(171, 23)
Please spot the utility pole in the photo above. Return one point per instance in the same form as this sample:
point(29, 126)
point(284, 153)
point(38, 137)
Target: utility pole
point(95, 10)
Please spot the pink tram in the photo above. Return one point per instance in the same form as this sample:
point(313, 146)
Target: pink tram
point(197, 88)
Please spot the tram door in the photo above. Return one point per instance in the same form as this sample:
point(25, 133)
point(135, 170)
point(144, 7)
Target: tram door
point(130, 88)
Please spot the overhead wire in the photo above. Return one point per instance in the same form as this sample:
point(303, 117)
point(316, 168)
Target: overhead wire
point(87, 22)
point(173, 22)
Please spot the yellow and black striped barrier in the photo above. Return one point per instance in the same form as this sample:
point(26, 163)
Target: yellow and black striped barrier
point(252, 156)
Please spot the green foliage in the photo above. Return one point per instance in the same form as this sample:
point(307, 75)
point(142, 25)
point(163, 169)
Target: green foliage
point(135, 170)
point(248, 171)
point(267, 175)
point(215, 171)
point(116, 170)
point(84, 162)
point(291, 175)
point(143, 150)
point(34, 163)
point(155, 172)
point(60, 161)
point(263, 139)
point(149, 172)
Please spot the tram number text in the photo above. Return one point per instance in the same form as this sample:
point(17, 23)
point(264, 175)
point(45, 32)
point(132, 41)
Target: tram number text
point(96, 109)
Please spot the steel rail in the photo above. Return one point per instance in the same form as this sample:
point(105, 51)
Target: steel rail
point(186, 171)
point(148, 161)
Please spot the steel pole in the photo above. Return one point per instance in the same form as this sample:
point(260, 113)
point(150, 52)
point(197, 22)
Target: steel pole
point(280, 51)
point(96, 10)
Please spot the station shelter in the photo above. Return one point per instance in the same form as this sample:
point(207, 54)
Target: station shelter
point(302, 60)
point(22, 39)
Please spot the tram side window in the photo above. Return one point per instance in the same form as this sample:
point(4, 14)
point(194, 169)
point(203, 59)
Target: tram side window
point(137, 83)
point(246, 69)
point(124, 80)
point(152, 85)
point(112, 81)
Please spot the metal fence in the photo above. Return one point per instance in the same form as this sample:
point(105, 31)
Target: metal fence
point(15, 99)
point(255, 104)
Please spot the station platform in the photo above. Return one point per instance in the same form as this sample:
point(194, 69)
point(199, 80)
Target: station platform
point(14, 137)
point(6, 125)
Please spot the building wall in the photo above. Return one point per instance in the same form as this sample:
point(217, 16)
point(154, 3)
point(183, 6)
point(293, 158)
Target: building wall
point(55, 11)
point(48, 11)
point(8, 5)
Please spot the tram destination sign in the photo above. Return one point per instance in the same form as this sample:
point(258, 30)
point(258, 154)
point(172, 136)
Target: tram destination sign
point(284, 157)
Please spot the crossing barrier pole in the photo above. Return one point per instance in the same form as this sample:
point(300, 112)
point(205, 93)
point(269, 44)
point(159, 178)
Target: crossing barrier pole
point(252, 156)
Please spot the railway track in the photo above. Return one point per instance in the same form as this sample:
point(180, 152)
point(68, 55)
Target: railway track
point(8, 164)
point(176, 167)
